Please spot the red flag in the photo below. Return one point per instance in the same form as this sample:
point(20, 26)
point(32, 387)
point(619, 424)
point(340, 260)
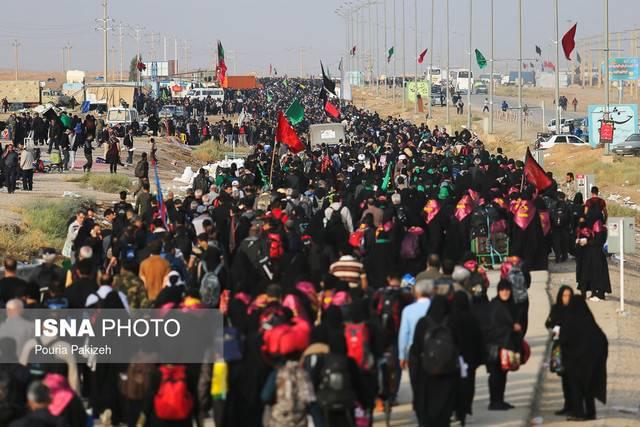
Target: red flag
point(569, 41)
point(331, 109)
point(421, 56)
point(141, 66)
point(535, 174)
point(287, 135)
point(353, 51)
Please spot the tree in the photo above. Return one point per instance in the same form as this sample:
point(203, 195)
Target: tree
point(133, 68)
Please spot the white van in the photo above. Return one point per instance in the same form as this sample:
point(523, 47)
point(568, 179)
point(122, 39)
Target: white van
point(216, 93)
point(122, 116)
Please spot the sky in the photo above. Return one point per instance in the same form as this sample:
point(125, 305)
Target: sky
point(256, 33)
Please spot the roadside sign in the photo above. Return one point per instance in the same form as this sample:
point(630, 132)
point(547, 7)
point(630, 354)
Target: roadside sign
point(623, 117)
point(624, 69)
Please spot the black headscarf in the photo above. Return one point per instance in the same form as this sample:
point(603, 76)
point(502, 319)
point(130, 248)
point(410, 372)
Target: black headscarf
point(558, 310)
point(439, 309)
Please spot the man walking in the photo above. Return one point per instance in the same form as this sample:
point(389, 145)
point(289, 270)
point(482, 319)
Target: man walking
point(26, 166)
point(128, 143)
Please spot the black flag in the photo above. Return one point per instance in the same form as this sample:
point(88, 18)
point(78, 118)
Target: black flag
point(327, 83)
point(538, 50)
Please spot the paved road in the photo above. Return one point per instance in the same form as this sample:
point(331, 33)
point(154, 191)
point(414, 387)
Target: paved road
point(535, 110)
point(521, 385)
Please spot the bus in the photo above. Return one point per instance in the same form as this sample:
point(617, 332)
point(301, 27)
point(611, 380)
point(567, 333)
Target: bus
point(462, 79)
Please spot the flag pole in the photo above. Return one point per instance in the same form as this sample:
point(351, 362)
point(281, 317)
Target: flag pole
point(415, 103)
point(519, 70)
point(469, 88)
point(491, 82)
point(446, 93)
point(557, 69)
point(273, 159)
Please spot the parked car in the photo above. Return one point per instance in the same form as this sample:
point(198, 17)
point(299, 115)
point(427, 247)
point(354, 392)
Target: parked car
point(564, 125)
point(216, 93)
point(172, 111)
point(436, 93)
point(561, 139)
point(480, 88)
point(629, 147)
point(120, 118)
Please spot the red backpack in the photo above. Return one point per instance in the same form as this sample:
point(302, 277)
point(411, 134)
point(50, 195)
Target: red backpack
point(173, 401)
point(276, 250)
point(357, 338)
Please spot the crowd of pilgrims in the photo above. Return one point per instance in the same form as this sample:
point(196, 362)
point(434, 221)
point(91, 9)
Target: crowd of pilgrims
point(351, 270)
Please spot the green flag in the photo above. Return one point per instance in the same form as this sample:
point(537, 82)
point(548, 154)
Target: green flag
point(387, 178)
point(269, 96)
point(390, 54)
point(482, 62)
point(295, 112)
point(285, 82)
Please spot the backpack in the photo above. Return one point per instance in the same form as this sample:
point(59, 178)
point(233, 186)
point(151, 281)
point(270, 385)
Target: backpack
point(335, 390)
point(294, 391)
point(439, 352)
point(357, 338)
point(389, 310)
point(173, 401)
point(518, 284)
point(276, 250)
point(139, 170)
point(559, 215)
point(210, 286)
point(137, 381)
point(233, 344)
point(334, 223)
point(410, 246)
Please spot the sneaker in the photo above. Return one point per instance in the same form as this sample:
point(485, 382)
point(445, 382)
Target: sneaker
point(594, 299)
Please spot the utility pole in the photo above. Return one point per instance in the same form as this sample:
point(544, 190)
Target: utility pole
point(301, 58)
point(606, 57)
point(16, 45)
point(165, 49)
point(175, 52)
point(520, 70)
point(557, 71)
point(377, 49)
point(64, 54)
point(121, 39)
point(446, 93)
point(469, 74)
point(491, 82)
point(394, 53)
point(433, 10)
point(386, 46)
point(112, 51)
point(404, 56)
point(415, 62)
point(69, 48)
point(152, 53)
point(105, 38)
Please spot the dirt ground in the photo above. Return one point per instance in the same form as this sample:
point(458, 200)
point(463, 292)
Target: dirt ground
point(173, 157)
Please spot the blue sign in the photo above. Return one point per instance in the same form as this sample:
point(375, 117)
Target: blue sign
point(624, 69)
point(624, 118)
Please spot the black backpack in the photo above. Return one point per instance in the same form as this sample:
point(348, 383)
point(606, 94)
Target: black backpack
point(439, 351)
point(139, 170)
point(335, 390)
point(389, 310)
point(560, 215)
